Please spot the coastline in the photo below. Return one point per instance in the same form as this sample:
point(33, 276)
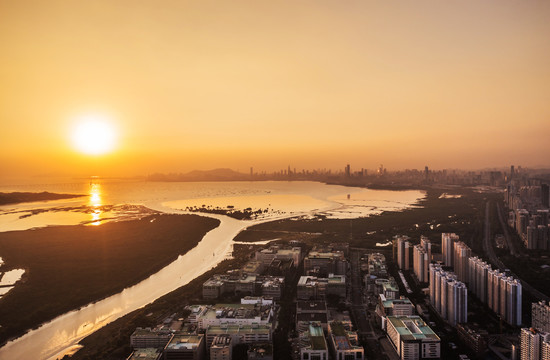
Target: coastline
point(384, 226)
point(94, 275)
point(219, 239)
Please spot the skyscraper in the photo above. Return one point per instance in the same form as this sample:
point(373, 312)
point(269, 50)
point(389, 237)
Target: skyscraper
point(403, 252)
point(532, 342)
point(462, 254)
point(427, 245)
point(421, 263)
point(447, 242)
point(448, 296)
point(513, 301)
point(541, 316)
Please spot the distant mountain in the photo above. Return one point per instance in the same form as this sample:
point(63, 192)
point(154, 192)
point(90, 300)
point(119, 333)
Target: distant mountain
point(202, 175)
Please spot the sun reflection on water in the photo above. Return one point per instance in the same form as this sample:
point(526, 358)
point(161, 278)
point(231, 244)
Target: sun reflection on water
point(95, 202)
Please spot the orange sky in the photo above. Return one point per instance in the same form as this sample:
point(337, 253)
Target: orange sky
point(314, 84)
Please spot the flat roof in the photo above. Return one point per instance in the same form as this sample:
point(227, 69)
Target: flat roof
point(237, 311)
point(391, 302)
point(316, 337)
point(140, 332)
point(238, 329)
point(320, 317)
point(144, 354)
point(412, 328)
point(305, 306)
point(184, 341)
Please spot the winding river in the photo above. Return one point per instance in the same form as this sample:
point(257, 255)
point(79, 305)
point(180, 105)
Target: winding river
point(60, 336)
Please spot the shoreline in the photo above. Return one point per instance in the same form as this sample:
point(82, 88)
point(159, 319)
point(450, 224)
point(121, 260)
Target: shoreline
point(221, 249)
point(109, 281)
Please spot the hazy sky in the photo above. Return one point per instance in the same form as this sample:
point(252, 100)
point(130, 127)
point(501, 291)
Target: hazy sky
point(314, 84)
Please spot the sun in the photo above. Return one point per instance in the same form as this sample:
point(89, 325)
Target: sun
point(94, 135)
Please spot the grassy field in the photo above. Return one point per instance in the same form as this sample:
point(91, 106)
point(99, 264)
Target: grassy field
point(67, 267)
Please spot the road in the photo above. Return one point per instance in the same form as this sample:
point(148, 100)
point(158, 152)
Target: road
point(490, 251)
point(365, 316)
point(504, 228)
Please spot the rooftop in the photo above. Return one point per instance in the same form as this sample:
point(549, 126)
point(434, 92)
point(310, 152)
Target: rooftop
point(144, 354)
point(184, 341)
point(311, 306)
point(141, 332)
point(412, 328)
point(237, 311)
point(313, 338)
point(238, 329)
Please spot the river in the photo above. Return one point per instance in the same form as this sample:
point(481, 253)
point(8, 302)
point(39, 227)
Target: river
point(61, 335)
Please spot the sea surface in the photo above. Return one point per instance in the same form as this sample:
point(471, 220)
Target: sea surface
point(108, 200)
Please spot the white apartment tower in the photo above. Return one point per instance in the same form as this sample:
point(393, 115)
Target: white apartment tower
point(403, 246)
point(541, 316)
point(421, 263)
point(534, 344)
point(448, 295)
point(461, 254)
point(447, 242)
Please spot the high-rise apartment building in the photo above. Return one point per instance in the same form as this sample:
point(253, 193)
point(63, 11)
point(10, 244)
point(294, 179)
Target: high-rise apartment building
point(540, 312)
point(448, 295)
point(461, 254)
point(477, 274)
point(447, 242)
point(500, 292)
point(403, 246)
point(421, 263)
point(532, 344)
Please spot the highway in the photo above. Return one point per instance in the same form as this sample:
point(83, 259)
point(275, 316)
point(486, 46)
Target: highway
point(490, 251)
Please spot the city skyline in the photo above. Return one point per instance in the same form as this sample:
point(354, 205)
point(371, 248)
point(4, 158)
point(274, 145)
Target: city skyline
point(204, 85)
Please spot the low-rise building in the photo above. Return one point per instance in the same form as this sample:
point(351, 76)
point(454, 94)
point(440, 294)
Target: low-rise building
point(344, 342)
point(221, 348)
point(311, 287)
point(253, 267)
point(145, 354)
point(312, 312)
point(412, 339)
point(150, 338)
point(475, 338)
point(240, 334)
point(313, 345)
point(390, 290)
point(240, 282)
point(266, 256)
point(182, 346)
point(395, 307)
point(322, 262)
point(235, 314)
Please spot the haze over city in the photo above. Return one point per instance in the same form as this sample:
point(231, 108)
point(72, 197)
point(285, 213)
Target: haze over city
point(315, 84)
